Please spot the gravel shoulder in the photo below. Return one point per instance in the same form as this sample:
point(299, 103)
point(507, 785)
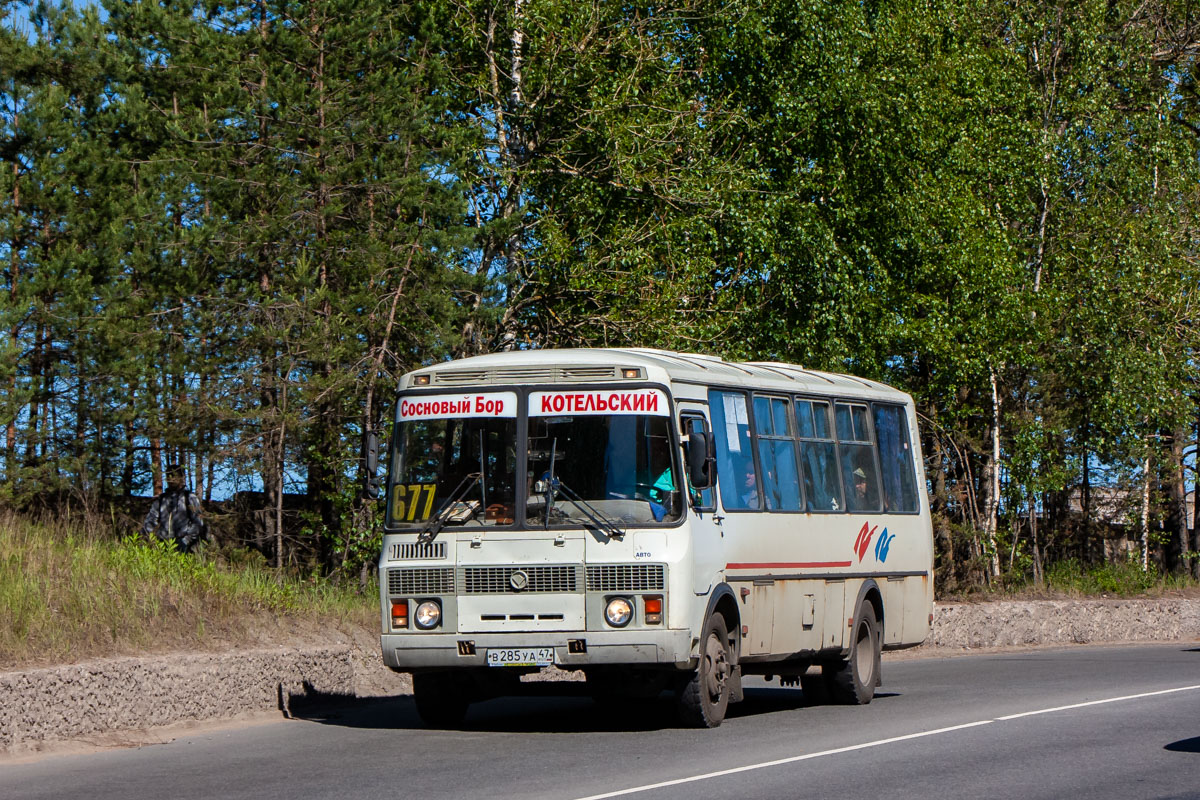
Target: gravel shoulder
point(142, 700)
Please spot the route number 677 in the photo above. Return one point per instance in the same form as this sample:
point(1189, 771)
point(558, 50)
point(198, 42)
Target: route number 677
point(407, 505)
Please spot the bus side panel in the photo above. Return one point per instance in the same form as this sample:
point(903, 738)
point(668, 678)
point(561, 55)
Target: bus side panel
point(799, 616)
point(763, 596)
point(918, 608)
point(834, 632)
point(894, 606)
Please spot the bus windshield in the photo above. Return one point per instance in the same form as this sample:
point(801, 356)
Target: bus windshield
point(616, 467)
point(460, 471)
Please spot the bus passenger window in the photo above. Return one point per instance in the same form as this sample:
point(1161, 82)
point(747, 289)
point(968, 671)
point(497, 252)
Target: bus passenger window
point(860, 475)
point(737, 477)
point(896, 459)
point(777, 454)
point(818, 457)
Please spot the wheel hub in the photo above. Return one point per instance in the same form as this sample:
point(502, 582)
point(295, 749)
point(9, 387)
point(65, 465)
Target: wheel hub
point(718, 667)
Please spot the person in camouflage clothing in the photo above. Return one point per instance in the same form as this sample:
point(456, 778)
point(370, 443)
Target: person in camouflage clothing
point(175, 514)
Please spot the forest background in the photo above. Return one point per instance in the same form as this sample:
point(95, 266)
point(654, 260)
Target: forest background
point(226, 228)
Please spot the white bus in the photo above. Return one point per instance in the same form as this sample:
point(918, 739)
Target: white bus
point(661, 521)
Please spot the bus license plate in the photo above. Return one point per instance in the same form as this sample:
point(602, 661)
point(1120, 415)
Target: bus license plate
point(521, 657)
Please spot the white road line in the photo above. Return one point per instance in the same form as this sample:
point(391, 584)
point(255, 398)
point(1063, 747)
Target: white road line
point(790, 760)
point(1097, 702)
point(877, 743)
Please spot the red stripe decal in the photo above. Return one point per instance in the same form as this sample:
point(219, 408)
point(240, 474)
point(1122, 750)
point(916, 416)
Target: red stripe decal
point(790, 565)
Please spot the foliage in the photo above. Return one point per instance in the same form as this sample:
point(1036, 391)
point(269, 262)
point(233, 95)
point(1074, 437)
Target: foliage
point(1119, 578)
point(227, 229)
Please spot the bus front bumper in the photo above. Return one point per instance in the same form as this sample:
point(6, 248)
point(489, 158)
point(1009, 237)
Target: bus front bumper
point(667, 648)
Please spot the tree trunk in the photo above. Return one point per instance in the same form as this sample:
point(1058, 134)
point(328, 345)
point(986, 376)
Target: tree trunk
point(1033, 537)
point(1145, 528)
point(1085, 500)
point(939, 510)
point(1178, 493)
point(10, 432)
point(1196, 501)
point(272, 439)
point(279, 489)
point(991, 474)
point(156, 466)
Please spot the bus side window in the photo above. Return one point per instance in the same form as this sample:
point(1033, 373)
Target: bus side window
point(737, 476)
point(896, 459)
point(702, 499)
point(860, 475)
point(776, 453)
point(818, 457)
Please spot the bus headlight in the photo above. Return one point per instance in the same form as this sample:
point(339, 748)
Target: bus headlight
point(429, 614)
point(618, 612)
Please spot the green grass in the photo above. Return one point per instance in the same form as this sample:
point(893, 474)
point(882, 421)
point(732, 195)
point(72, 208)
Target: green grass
point(69, 594)
point(1072, 578)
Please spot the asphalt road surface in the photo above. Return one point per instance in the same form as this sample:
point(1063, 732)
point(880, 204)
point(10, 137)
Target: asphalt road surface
point(1091, 722)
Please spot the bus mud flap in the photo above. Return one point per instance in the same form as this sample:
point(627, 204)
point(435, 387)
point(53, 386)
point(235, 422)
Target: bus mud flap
point(736, 695)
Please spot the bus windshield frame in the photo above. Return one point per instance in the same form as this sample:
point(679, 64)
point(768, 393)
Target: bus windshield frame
point(456, 457)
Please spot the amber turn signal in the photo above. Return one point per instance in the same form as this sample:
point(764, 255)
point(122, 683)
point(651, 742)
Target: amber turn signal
point(653, 604)
point(399, 613)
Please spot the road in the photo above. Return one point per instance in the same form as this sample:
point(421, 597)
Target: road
point(1094, 722)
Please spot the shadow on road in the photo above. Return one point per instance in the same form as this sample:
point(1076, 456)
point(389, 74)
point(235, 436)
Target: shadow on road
point(541, 708)
point(1185, 745)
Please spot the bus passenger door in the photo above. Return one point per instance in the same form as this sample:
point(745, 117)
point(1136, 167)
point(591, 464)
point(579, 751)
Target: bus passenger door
point(708, 549)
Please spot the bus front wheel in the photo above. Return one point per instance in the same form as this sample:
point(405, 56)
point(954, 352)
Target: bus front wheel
point(853, 680)
point(704, 698)
point(441, 698)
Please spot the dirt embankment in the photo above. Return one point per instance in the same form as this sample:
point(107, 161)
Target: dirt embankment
point(89, 701)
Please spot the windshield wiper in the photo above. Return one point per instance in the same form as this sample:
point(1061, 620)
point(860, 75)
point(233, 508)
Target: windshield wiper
point(438, 521)
point(595, 516)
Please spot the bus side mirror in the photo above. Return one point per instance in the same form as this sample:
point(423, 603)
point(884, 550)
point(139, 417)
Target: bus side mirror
point(701, 460)
point(371, 464)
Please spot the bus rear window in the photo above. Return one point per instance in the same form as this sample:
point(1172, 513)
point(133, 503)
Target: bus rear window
point(896, 459)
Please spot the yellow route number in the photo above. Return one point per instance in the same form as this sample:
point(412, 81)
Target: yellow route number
point(407, 505)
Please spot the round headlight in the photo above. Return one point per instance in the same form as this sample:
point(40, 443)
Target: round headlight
point(429, 614)
point(618, 612)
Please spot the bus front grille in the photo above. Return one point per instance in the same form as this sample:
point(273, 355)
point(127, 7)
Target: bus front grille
point(434, 580)
point(626, 577)
point(406, 551)
point(532, 578)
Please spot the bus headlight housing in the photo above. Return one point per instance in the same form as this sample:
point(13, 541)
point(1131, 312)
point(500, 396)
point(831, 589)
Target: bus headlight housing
point(618, 612)
point(429, 614)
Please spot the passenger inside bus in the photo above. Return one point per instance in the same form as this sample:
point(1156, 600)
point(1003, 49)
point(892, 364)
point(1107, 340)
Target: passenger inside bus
point(749, 491)
point(860, 487)
point(861, 479)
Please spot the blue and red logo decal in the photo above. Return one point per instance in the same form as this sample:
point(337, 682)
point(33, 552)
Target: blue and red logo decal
point(882, 544)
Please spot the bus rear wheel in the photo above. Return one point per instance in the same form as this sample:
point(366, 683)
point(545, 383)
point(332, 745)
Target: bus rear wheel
point(704, 698)
point(441, 698)
point(853, 680)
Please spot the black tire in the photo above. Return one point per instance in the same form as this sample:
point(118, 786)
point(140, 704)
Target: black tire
point(853, 680)
point(704, 698)
point(441, 698)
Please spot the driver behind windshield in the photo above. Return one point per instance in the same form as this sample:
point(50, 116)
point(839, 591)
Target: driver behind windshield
point(619, 463)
